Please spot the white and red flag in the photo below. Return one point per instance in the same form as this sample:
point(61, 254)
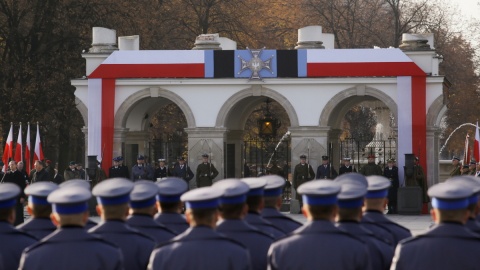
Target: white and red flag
point(28, 148)
point(8, 150)
point(38, 154)
point(476, 146)
point(19, 146)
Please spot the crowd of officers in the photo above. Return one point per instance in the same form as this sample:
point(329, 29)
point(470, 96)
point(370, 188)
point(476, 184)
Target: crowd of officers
point(234, 224)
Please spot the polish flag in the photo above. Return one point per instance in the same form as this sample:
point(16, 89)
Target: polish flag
point(18, 147)
point(7, 152)
point(28, 166)
point(476, 147)
point(38, 155)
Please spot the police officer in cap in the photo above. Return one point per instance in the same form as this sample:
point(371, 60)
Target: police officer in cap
point(169, 204)
point(456, 167)
point(473, 203)
point(350, 202)
point(376, 199)
point(255, 202)
point(143, 200)
point(319, 244)
point(118, 169)
point(200, 247)
point(326, 170)
point(232, 210)
point(273, 198)
point(162, 170)
point(70, 246)
point(39, 224)
point(346, 167)
point(81, 183)
point(13, 241)
point(142, 171)
point(182, 170)
point(113, 197)
point(448, 244)
point(206, 172)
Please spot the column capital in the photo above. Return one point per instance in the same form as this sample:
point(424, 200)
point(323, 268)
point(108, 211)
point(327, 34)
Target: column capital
point(206, 132)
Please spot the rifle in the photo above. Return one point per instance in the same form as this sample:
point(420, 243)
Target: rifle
point(308, 159)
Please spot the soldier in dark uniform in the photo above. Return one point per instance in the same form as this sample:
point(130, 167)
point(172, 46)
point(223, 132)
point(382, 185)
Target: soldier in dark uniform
point(40, 173)
point(232, 210)
point(391, 173)
point(418, 179)
point(118, 169)
point(206, 172)
point(255, 202)
point(21, 169)
point(273, 197)
point(456, 167)
point(302, 173)
point(71, 172)
point(350, 202)
point(81, 170)
point(81, 183)
point(375, 201)
point(142, 171)
point(70, 246)
point(169, 205)
point(473, 207)
point(113, 197)
point(326, 170)
point(448, 244)
point(162, 170)
point(200, 247)
point(15, 177)
point(182, 170)
point(13, 241)
point(143, 208)
point(319, 244)
point(346, 167)
point(371, 168)
point(39, 224)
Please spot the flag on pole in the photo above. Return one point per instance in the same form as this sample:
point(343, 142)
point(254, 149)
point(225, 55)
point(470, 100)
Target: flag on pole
point(476, 146)
point(28, 166)
point(466, 155)
point(38, 154)
point(7, 152)
point(19, 147)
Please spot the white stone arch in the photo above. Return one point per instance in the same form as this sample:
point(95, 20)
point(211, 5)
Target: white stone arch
point(123, 111)
point(82, 108)
point(435, 112)
point(242, 103)
point(333, 112)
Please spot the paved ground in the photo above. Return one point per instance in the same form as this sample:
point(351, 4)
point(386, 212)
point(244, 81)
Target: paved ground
point(417, 224)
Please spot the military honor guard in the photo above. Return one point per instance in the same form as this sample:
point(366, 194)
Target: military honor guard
point(326, 169)
point(15, 177)
point(346, 167)
point(169, 204)
point(143, 200)
point(233, 208)
point(371, 168)
point(13, 241)
point(472, 168)
point(71, 172)
point(182, 170)
point(319, 244)
point(118, 169)
point(447, 245)
point(162, 170)
point(70, 246)
point(81, 170)
point(200, 247)
point(375, 201)
point(391, 173)
point(39, 224)
point(113, 197)
point(206, 172)
point(255, 202)
point(141, 170)
point(456, 170)
point(350, 203)
point(81, 183)
point(302, 173)
point(273, 198)
point(465, 170)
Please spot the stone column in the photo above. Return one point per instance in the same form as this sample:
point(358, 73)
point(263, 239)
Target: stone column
point(334, 139)
point(209, 141)
point(85, 132)
point(432, 157)
point(236, 137)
